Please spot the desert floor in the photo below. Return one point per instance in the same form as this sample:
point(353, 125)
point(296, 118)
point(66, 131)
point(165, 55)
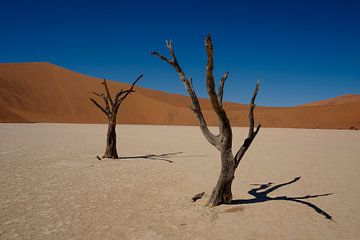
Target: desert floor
point(52, 186)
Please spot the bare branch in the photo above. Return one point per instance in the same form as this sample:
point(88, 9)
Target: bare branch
point(130, 90)
point(196, 108)
point(108, 94)
point(99, 106)
point(169, 45)
point(221, 88)
point(252, 134)
point(162, 58)
point(120, 96)
point(210, 83)
point(116, 99)
point(251, 110)
point(106, 100)
point(224, 123)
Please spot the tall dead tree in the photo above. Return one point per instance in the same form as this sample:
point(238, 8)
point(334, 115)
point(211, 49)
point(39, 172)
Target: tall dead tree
point(111, 109)
point(223, 141)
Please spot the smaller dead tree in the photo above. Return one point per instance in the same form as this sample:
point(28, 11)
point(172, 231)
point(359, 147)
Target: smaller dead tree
point(111, 109)
point(223, 142)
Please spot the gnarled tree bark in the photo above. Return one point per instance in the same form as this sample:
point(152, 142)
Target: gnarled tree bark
point(223, 142)
point(110, 110)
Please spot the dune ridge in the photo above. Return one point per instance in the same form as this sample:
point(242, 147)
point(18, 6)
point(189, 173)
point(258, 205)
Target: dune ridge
point(341, 100)
point(47, 93)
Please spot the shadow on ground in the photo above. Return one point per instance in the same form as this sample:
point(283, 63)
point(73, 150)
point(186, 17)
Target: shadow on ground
point(162, 157)
point(261, 192)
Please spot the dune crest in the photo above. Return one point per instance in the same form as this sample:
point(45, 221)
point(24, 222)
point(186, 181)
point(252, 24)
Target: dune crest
point(341, 100)
point(43, 92)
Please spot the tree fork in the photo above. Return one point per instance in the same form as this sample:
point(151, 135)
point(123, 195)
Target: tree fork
point(111, 110)
point(223, 142)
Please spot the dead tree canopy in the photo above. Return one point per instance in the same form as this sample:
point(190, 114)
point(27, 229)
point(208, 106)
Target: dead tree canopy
point(112, 105)
point(223, 141)
point(110, 109)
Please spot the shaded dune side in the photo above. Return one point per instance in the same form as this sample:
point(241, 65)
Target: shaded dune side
point(43, 92)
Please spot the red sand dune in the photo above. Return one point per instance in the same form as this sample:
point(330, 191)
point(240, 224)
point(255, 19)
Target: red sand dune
point(43, 92)
point(342, 100)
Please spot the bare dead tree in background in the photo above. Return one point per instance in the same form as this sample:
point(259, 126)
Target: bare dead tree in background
point(111, 109)
point(223, 142)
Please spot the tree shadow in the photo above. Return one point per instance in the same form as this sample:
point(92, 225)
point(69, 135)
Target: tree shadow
point(262, 196)
point(161, 157)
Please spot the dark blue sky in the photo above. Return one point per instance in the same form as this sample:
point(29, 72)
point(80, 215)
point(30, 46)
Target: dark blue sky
point(302, 51)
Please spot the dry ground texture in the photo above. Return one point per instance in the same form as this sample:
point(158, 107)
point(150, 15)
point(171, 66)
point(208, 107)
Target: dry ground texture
point(53, 187)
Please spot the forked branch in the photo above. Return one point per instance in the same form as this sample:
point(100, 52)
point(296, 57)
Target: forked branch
point(111, 107)
point(105, 98)
point(252, 134)
point(212, 139)
point(223, 142)
point(120, 96)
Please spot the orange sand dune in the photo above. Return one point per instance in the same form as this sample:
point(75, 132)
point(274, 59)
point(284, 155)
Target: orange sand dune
point(342, 100)
point(43, 92)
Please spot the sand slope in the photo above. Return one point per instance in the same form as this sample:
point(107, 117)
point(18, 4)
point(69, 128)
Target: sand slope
point(53, 187)
point(43, 92)
point(342, 100)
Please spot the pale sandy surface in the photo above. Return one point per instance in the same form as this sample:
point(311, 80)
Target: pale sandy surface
point(53, 187)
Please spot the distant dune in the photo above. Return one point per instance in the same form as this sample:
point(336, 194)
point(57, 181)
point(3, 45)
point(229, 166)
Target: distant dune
point(43, 92)
point(342, 100)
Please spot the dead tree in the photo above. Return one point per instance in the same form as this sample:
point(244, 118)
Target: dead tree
point(111, 109)
point(223, 141)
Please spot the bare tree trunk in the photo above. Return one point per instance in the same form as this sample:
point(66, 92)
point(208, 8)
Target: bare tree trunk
point(110, 151)
point(222, 191)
